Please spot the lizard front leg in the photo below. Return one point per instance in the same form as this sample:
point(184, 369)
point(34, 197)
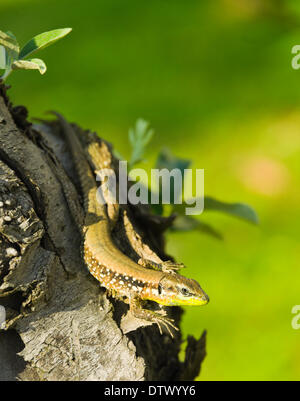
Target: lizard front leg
point(165, 267)
point(136, 308)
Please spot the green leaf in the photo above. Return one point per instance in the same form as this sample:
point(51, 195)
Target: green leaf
point(9, 42)
point(32, 64)
point(2, 58)
point(166, 160)
point(12, 36)
point(240, 210)
point(43, 40)
point(139, 137)
point(187, 223)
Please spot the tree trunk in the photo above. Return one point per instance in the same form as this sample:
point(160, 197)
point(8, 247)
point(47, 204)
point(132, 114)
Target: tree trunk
point(60, 324)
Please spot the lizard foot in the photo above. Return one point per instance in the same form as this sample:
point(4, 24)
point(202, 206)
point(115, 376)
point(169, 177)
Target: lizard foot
point(166, 322)
point(171, 267)
point(157, 317)
point(165, 267)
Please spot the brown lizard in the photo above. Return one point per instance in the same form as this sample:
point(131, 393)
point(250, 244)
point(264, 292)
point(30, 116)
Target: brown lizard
point(133, 282)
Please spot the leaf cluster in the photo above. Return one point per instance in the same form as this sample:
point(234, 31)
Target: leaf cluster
point(14, 58)
point(139, 138)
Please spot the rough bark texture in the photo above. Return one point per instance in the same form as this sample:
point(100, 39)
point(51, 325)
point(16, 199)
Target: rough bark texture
point(60, 324)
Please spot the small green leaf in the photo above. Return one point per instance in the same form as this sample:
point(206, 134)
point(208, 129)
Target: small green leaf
point(12, 36)
point(32, 64)
point(187, 223)
point(2, 58)
point(9, 42)
point(139, 138)
point(43, 40)
point(166, 160)
point(240, 210)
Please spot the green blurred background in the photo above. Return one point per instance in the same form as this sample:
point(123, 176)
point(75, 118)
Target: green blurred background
point(215, 80)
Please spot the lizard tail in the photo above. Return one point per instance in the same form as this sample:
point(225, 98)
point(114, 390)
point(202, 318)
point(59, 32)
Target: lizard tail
point(84, 172)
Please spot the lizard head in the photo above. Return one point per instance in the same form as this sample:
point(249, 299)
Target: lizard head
point(174, 289)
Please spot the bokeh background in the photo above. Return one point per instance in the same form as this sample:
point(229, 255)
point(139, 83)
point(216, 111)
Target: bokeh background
point(215, 80)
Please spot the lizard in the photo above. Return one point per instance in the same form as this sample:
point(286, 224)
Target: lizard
point(124, 278)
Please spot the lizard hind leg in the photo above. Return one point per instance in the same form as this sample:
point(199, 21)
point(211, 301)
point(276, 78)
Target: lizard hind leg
point(158, 318)
point(114, 294)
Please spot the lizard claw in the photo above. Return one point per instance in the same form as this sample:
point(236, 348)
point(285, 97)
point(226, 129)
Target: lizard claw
point(158, 317)
point(171, 267)
point(167, 323)
point(166, 267)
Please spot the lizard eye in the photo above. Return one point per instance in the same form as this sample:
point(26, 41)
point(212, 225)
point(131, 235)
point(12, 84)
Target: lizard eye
point(184, 291)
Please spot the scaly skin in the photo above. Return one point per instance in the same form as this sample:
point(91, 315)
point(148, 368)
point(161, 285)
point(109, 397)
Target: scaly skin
point(115, 271)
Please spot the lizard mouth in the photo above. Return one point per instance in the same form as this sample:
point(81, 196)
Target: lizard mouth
point(200, 300)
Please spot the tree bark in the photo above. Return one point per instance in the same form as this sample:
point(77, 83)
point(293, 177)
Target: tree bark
point(60, 324)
